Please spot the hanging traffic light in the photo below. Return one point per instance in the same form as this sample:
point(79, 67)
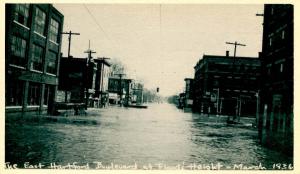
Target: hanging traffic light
point(157, 89)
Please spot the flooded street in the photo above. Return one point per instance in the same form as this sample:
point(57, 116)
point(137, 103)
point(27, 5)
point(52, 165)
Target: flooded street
point(161, 134)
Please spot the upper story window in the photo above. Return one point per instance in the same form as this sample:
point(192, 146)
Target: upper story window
point(40, 20)
point(270, 41)
point(51, 63)
point(18, 50)
point(281, 67)
point(37, 58)
point(21, 14)
point(282, 34)
point(54, 26)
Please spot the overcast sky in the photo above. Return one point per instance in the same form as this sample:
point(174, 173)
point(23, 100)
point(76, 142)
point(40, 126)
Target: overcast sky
point(161, 44)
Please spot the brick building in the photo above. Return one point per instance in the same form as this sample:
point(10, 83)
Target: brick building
point(277, 94)
point(226, 85)
point(32, 56)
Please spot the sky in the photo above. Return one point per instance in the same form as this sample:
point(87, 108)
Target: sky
point(161, 43)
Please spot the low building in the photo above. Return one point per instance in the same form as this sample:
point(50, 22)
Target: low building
point(121, 87)
point(226, 85)
point(137, 94)
point(77, 80)
point(276, 125)
point(32, 56)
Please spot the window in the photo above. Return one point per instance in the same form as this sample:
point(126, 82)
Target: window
point(18, 50)
point(282, 34)
point(14, 92)
point(51, 62)
point(33, 94)
point(281, 67)
point(54, 30)
point(40, 20)
point(21, 13)
point(37, 58)
point(270, 41)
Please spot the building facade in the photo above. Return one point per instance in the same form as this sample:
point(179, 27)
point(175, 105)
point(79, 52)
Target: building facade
point(137, 93)
point(77, 80)
point(189, 83)
point(101, 82)
point(226, 85)
point(122, 88)
point(277, 94)
point(32, 56)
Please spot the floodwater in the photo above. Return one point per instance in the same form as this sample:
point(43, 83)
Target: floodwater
point(160, 137)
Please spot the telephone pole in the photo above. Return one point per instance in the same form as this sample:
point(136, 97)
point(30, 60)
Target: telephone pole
point(239, 99)
point(235, 44)
point(70, 36)
point(89, 58)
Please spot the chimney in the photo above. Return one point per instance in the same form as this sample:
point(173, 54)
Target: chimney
point(227, 53)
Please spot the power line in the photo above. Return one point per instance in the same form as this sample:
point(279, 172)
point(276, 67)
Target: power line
point(99, 26)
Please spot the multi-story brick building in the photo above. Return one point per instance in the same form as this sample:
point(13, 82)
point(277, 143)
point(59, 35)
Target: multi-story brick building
point(226, 85)
point(32, 56)
point(277, 94)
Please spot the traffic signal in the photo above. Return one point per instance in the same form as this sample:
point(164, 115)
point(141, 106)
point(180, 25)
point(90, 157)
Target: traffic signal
point(157, 89)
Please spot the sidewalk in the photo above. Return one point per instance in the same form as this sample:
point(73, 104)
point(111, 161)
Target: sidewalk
point(87, 118)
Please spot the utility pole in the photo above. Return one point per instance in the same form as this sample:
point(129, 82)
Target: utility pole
point(238, 111)
point(89, 52)
point(235, 44)
point(120, 86)
point(70, 35)
point(102, 76)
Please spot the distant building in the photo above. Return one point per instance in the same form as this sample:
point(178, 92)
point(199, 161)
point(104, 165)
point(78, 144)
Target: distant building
point(32, 56)
point(101, 83)
point(120, 90)
point(77, 80)
point(189, 92)
point(137, 94)
point(226, 85)
point(277, 94)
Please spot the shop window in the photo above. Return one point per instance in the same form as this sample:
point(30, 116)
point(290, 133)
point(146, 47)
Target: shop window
point(37, 58)
point(18, 51)
point(40, 21)
point(21, 14)
point(33, 94)
point(14, 93)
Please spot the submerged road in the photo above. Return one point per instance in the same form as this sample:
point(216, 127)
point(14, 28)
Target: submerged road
point(160, 137)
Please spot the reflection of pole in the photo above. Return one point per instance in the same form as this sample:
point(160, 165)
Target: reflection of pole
point(240, 108)
point(218, 101)
point(221, 105)
point(257, 107)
